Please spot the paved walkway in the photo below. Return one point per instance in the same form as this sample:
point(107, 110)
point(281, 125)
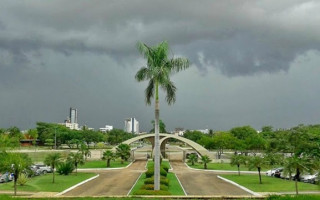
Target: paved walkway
point(196, 182)
point(110, 182)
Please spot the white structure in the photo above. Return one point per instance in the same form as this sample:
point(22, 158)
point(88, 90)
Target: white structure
point(72, 126)
point(106, 129)
point(131, 125)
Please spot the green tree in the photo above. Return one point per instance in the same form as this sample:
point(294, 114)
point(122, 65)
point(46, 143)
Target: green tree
point(205, 159)
point(14, 163)
point(158, 70)
point(193, 158)
point(238, 160)
point(116, 136)
point(15, 132)
point(162, 127)
point(257, 162)
point(76, 159)
point(298, 164)
point(222, 140)
point(108, 156)
point(123, 151)
point(243, 132)
point(195, 136)
point(53, 160)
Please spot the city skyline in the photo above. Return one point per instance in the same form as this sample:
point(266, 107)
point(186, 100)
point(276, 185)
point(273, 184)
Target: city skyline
point(252, 62)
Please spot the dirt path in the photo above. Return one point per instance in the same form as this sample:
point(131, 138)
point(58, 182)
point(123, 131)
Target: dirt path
point(197, 182)
point(110, 182)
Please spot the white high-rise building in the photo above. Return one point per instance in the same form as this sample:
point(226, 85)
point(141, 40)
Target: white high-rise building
point(72, 121)
point(131, 125)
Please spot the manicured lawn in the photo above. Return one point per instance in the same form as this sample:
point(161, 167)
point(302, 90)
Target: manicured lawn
point(103, 164)
point(219, 166)
point(44, 182)
point(270, 184)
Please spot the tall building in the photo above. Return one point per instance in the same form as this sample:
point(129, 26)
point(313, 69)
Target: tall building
point(131, 125)
point(72, 121)
point(73, 115)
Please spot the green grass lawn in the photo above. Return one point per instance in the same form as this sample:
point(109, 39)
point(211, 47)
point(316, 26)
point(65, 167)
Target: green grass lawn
point(103, 164)
point(44, 182)
point(219, 166)
point(270, 184)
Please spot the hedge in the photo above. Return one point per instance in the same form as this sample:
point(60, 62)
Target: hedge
point(163, 181)
point(151, 192)
point(150, 172)
point(151, 187)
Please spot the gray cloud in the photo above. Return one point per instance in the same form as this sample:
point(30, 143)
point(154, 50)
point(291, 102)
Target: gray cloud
point(61, 53)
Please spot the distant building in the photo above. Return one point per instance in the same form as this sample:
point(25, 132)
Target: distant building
point(72, 121)
point(131, 125)
point(179, 131)
point(106, 128)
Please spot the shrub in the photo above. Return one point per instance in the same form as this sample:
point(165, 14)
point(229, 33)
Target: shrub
point(22, 180)
point(150, 172)
point(151, 192)
point(163, 181)
point(166, 168)
point(65, 168)
point(151, 187)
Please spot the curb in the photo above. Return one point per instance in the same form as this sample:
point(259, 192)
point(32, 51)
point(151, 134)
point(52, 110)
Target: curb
point(72, 187)
point(224, 171)
point(240, 186)
point(134, 184)
point(185, 193)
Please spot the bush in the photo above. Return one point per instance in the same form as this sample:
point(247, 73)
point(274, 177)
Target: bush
point(166, 168)
point(151, 192)
point(22, 180)
point(150, 172)
point(151, 187)
point(65, 168)
point(163, 181)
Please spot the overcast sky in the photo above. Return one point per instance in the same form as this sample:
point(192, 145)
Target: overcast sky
point(253, 62)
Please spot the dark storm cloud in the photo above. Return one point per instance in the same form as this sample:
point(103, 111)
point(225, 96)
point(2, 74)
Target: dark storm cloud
point(57, 54)
point(237, 37)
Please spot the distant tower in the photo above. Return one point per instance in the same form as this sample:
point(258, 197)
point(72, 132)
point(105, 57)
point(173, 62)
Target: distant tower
point(131, 125)
point(73, 115)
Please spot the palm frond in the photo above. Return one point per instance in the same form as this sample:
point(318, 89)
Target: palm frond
point(178, 64)
point(171, 92)
point(149, 91)
point(143, 74)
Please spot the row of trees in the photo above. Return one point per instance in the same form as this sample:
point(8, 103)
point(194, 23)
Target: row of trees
point(54, 134)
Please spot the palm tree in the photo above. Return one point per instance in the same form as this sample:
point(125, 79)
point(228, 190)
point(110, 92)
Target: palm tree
point(299, 164)
point(238, 160)
point(53, 160)
point(14, 163)
point(257, 162)
point(108, 155)
point(158, 70)
point(85, 151)
point(193, 158)
point(205, 159)
point(76, 159)
point(123, 151)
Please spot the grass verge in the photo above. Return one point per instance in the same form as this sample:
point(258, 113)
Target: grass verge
point(270, 184)
point(103, 164)
point(44, 183)
point(218, 166)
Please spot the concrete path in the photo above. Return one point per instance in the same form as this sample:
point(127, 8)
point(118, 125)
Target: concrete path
point(110, 182)
point(196, 182)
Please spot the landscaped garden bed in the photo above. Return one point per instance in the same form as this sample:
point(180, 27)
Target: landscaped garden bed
point(169, 185)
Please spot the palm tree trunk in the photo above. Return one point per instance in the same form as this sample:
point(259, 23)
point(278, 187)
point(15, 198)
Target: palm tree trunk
point(156, 143)
point(238, 170)
point(52, 175)
point(259, 175)
point(15, 178)
point(296, 183)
